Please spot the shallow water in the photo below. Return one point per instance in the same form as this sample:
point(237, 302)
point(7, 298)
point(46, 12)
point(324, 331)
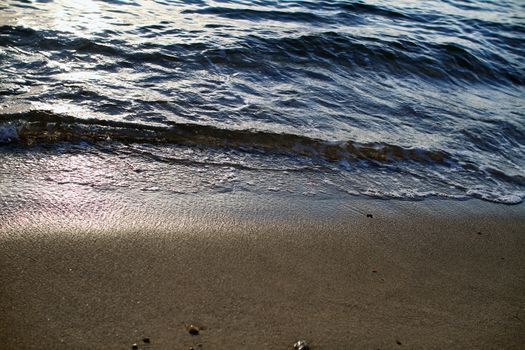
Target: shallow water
point(387, 99)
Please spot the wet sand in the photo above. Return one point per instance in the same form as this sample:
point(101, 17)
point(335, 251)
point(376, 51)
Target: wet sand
point(262, 272)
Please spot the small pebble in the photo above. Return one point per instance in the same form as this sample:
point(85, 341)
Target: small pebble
point(374, 271)
point(146, 340)
point(479, 233)
point(134, 346)
point(301, 345)
point(398, 342)
point(369, 215)
point(193, 330)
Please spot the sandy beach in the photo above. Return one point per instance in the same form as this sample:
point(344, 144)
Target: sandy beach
point(233, 174)
point(262, 272)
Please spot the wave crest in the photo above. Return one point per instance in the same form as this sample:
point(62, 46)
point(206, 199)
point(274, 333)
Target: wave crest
point(40, 126)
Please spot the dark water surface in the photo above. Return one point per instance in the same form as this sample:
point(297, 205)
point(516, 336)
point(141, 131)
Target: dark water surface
point(391, 99)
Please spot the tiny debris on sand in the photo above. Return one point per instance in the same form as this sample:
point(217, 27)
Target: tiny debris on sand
point(369, 215)
point(134, 346)
point(146, 340)
point(193, 330)
point(301, 345)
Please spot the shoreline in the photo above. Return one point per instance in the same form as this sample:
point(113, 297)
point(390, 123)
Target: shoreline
point(262, 272)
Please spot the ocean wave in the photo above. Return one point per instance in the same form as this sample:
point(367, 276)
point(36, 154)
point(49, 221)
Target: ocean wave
point(426, 96)
point(373, 169)
point(443, 61)
point(255, 15)
point(358, 54)
point(40, 126)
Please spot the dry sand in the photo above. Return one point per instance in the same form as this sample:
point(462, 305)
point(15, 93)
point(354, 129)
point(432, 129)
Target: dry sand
point(259, 272)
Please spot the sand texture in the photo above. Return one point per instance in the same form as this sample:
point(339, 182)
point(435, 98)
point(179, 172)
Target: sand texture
point(263, 273)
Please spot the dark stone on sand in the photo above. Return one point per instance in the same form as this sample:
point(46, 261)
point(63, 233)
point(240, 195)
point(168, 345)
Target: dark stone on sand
point(374, 271)
point(369, 215)
point(398, 342)
point(146, 340)
point(193, 330)
point(134, 347)
point(479, 233)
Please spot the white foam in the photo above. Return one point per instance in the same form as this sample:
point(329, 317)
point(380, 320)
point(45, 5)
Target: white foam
point(497, 196)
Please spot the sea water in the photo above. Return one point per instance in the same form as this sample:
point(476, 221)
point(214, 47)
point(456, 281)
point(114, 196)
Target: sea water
point(389, 99)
